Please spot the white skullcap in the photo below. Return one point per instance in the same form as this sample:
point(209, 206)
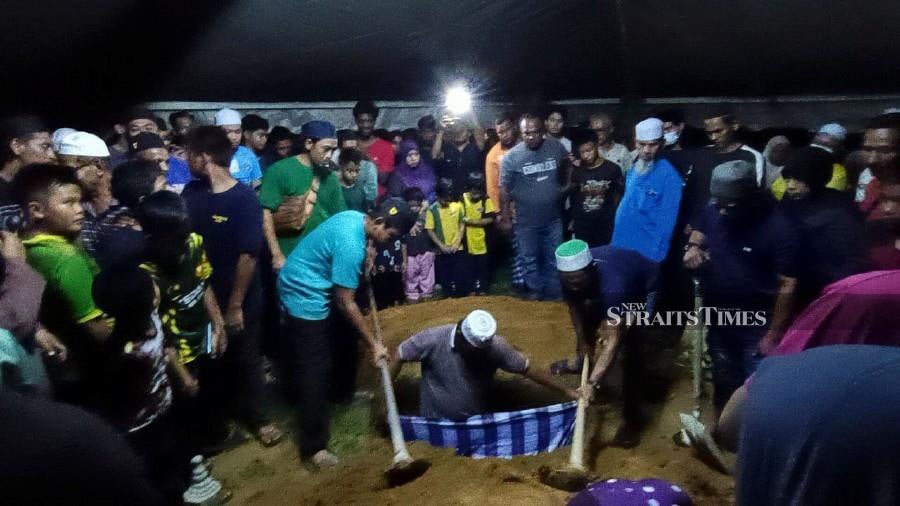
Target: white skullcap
point(82, 144)
point(228, 116)
point(835, 130)
point(573, 256)
point(479, 328)
point(891, 110)
point(59, 134)
point(651, 129)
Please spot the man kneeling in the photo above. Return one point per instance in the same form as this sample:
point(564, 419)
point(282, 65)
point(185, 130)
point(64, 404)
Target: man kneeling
point(458, 365)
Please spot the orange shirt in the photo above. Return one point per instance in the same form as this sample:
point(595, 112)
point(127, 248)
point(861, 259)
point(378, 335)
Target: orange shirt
point(492, 172)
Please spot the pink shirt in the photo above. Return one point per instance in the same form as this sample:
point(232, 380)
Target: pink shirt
point(860, 309)
point(381, 152)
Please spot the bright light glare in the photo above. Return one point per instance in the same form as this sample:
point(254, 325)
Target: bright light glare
point(459, 100)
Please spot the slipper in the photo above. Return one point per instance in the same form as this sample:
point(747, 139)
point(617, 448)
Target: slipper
point(269, 435)
point(564, 366)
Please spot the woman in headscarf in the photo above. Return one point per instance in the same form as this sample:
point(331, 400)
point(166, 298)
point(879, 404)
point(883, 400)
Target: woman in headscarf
point(412, 172)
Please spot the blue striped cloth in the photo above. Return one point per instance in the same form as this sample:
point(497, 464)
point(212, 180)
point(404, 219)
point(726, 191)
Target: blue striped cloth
point(525, 432)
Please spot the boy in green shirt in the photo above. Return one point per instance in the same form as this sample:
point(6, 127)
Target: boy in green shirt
point(51, 199)
point(354, 194)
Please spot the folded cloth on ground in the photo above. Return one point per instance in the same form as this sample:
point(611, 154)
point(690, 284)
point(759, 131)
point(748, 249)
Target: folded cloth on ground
point(506, 434)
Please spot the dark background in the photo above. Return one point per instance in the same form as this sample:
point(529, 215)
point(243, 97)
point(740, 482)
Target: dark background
point(76, 58)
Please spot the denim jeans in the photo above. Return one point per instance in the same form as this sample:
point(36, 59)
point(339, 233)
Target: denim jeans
point(735, 355)
point(537, 251)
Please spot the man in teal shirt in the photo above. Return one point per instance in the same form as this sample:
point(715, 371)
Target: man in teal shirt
point(322, 271)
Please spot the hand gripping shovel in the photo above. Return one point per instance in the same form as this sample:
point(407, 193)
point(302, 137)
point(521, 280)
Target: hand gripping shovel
point(404, 469)
point(573, 477)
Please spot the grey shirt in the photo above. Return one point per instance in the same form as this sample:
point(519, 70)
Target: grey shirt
point(454, 386)
point(531, 179)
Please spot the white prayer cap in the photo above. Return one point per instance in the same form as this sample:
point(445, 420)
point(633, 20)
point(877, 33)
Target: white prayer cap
point(891, 110)
point(82, 144)
point(479, 328)
point(651, 129)
point(228, 116)
point(834, 130)
point(573, 256)
point(59, 134)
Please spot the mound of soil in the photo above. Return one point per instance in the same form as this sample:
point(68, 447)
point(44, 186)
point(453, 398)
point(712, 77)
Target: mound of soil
point(542, 331)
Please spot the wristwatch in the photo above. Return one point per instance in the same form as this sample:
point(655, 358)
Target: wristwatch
point(692, 245)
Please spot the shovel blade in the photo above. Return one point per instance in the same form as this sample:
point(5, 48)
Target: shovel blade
point(405, 471)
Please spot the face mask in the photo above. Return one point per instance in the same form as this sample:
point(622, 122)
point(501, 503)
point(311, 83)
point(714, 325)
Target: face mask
point(670, 137)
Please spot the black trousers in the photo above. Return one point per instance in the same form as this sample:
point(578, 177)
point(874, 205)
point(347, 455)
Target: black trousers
point(166, 458)
point(449, 270)
point(321, 359)
point(233, 385)
point(476, 274)
point(388, 288)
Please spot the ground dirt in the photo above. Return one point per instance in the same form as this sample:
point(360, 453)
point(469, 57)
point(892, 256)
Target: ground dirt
point(543, 331)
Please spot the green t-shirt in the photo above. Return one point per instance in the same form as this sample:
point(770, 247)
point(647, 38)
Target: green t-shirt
point(184, 317)
point(290, 178)
point(69, 273)
point(355, 198)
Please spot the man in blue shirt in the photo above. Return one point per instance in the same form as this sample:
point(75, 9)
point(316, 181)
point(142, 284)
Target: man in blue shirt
point(748, 251)
point(244, 165)
point(600, 286)
point(648, 210)
point(324, 270)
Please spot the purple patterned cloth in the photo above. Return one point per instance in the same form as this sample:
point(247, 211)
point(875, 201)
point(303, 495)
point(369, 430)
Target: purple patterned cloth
point(615, 492)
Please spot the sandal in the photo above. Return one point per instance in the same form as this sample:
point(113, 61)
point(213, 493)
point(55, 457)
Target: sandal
point(269, 435)
point(564, 367)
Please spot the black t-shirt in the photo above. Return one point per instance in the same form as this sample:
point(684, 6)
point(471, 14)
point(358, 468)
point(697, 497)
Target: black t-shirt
point(456, 165)
point(698, 166)
point(231, 225)
point(594, 198)
point(747, 258)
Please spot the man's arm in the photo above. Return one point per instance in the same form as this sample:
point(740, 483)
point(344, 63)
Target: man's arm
point(219, 336)
point(477, 131)
point(694, 255)
point(99, 329)
point(346, 303)
point(781, 313)
point(272, 240)
point(610, 335)
point(460, 235)
point(437, 152)
point(243, 275)
point(539, 376)
point(396, 362)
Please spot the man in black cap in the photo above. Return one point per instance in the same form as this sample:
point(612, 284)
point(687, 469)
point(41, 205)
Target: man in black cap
point(748, 252)
point(828, 223)
point(291, 185)
point(149, 146)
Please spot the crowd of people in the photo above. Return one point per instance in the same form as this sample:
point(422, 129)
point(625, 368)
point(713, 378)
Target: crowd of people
point(146, 274)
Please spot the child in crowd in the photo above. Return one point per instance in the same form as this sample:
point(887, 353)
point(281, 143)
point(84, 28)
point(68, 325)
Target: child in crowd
point(354, 194)
point(418, 257)
point(387, 278)
point(478, 214)
point(137, 396)
point(595, 187)
point(192, 320)
point(51, 199)
point(445, 226)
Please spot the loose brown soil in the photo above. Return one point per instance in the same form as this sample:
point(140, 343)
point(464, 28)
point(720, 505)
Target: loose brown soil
point(541, 330)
